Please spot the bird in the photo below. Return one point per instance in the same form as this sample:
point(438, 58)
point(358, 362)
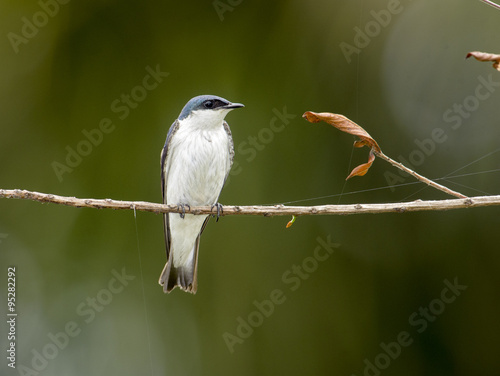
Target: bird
point(195, 163)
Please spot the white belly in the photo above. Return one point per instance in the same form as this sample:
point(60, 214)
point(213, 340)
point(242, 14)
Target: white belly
point(196, 168)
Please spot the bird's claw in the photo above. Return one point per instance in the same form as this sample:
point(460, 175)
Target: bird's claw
point(220, 210)
point(183, 208)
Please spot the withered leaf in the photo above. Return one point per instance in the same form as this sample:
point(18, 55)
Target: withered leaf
point(362, 169)
point(345, 125)
point(485, 56)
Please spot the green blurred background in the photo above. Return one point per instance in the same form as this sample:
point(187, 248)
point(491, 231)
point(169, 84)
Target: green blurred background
point(406, 82)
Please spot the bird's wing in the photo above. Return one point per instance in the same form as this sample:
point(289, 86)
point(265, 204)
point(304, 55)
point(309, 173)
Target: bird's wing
point(164, 173)
point(231, 158)
point(231, 148)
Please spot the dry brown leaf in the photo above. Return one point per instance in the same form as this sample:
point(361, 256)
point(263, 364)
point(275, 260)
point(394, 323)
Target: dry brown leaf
point(362, 169)
point(345, 125)
point(484, 56)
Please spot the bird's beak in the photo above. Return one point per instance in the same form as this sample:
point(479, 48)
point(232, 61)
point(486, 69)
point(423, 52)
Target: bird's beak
point(232, 106)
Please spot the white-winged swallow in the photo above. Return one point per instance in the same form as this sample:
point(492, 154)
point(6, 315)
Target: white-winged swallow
point(195, 163)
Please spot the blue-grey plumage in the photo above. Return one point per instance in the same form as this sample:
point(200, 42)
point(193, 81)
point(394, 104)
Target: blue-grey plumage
point(195, 163)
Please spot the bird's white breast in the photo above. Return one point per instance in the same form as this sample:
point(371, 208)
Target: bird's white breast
point(197, 163)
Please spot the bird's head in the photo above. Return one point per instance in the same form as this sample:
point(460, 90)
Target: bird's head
point(208, 109)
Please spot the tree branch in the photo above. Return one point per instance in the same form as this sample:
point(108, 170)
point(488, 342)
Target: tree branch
point(266, 211)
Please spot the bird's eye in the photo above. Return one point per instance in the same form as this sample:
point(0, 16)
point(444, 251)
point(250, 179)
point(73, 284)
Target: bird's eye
point(208, 104)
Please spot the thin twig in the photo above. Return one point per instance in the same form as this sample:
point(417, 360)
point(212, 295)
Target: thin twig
point(494, 5)
point(266, 211)
point(418, 176)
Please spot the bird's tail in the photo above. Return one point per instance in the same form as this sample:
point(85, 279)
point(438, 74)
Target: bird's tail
point(183, 276)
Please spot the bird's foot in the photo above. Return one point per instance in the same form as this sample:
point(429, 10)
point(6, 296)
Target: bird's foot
point(220, 210)
point(183, 208)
